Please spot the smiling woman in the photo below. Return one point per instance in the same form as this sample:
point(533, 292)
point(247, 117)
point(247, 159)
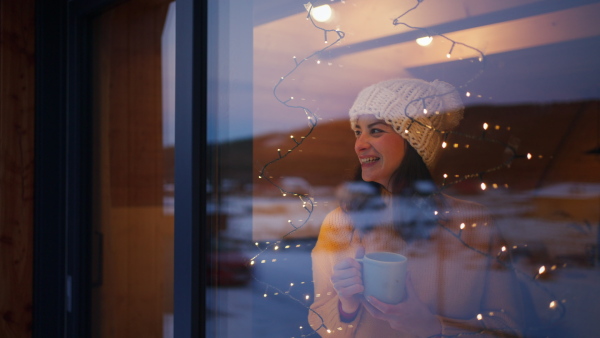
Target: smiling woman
point(379, 148)
point(444, 296)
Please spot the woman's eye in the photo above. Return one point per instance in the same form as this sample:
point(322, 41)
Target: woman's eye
point(376, 131)
point(357, 133)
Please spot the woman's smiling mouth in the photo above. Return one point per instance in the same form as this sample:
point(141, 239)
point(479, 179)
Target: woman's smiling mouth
point(367, 160)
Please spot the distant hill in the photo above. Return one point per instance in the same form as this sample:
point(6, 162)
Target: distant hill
point(558, 136)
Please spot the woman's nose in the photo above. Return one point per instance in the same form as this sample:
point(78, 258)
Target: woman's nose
point(361, 143)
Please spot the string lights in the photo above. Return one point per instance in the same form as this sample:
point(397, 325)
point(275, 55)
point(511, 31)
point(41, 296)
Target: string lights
point(308, 202)
point(453, 43)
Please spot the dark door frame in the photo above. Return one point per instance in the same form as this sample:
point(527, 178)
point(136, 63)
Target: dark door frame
point(62, 228)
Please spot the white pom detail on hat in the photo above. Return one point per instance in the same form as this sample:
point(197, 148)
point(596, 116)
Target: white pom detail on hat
point(420, 111)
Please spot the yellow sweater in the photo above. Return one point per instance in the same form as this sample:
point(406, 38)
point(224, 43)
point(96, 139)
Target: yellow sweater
point(469, 291)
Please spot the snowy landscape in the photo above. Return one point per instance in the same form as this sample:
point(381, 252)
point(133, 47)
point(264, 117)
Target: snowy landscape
point(275, 302)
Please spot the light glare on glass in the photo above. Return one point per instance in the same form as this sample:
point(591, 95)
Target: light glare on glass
point(321, 13)
point(424, 41)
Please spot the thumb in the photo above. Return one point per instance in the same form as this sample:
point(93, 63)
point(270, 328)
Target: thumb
point(360, 252)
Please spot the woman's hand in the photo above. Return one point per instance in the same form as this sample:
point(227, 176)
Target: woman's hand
point(347, 281)
point(411, 315)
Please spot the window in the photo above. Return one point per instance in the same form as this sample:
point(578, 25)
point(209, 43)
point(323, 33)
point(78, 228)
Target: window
point(133, 104)
point(281, 83)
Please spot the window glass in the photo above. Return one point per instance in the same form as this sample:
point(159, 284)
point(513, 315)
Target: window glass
point(133, 55)
point(495, 206)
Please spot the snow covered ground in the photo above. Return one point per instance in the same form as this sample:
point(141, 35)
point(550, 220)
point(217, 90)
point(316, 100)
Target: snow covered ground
point(270, 306)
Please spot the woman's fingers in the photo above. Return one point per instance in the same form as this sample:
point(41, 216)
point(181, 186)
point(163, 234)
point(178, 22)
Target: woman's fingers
point(347, 263)
point(345, 274)
point(347, 282)
point(348, 291)
point(347, 278)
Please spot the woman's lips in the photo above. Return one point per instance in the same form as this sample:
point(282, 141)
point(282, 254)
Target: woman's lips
point(368, 160)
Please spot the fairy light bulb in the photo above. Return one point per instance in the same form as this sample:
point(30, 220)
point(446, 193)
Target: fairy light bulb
point(542, 269)
point(424, 110)
point(552, 304)
point(462, 226)
point(444, 144)
point(479, 316)
point(485, 126)
point(483, 186)
point(529, 156)
point(467, 94)
point(424, 41)
point(450, 52)
point(321, 13)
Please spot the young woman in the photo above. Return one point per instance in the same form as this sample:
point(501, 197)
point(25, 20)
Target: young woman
point(455, 284)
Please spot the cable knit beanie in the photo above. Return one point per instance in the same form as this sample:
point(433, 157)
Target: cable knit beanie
point(420, 111)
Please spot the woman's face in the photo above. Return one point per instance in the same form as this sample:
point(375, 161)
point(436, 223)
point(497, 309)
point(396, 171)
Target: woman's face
point(379, 148)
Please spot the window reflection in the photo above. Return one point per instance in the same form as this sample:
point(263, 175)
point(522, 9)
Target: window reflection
point(526, 149)
point(133, 87)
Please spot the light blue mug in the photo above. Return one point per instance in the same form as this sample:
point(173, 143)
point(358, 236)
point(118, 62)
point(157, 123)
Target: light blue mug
point(384, 276)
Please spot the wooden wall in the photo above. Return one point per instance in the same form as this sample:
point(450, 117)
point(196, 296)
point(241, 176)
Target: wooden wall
point(16, 166)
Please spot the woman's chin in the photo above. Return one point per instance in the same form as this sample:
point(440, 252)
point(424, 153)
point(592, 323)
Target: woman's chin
point(368, 178)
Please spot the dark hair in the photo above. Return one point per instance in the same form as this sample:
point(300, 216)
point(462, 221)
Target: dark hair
point(412, 170)
point(415, 197)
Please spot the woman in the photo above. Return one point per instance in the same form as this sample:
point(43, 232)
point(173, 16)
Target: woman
point(455, 284)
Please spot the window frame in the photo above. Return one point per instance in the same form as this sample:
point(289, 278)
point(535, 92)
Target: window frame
point(63, 165)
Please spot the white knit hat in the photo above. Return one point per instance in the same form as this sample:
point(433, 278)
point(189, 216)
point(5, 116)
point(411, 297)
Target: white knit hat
point(401, 103)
